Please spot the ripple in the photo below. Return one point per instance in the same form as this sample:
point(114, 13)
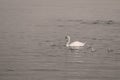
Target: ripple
point(45, 70)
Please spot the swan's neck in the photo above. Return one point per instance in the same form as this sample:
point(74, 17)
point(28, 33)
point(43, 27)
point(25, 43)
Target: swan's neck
point(68, 42)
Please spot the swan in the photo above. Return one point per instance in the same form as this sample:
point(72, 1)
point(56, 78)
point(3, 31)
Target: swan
point(73, 45)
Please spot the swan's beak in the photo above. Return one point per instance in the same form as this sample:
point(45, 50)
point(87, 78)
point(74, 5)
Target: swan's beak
point(65, 37)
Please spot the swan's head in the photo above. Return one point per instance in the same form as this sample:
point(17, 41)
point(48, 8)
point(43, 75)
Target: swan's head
point(67, 37)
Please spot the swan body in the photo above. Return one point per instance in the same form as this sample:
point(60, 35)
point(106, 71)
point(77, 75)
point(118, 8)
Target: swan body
point(75, 44)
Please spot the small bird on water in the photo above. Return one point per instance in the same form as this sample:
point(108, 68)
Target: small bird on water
point(76, 45)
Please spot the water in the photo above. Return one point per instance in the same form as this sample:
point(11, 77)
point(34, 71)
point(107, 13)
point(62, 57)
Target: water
point(32, 43)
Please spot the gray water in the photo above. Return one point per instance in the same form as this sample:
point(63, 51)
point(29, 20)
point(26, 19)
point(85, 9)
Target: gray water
point(32, 44)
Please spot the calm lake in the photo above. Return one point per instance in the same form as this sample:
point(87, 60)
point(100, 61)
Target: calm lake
point(32, 39)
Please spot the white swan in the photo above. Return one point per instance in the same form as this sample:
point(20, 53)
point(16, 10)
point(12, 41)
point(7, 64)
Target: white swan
point(75, 44)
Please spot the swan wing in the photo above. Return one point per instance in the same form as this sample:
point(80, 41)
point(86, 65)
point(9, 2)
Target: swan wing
point(77, 43)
